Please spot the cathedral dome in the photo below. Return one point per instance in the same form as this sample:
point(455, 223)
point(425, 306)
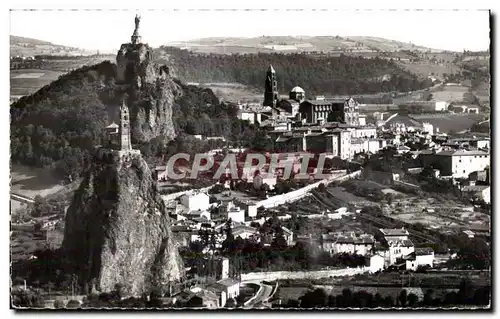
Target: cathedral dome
point(297, 89)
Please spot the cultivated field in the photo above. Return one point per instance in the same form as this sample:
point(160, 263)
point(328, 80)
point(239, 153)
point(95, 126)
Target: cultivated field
point(28, 81)
point(425, 68)
point(234, 92)
point(30, 182)
point(450, 122)
point(24, 242)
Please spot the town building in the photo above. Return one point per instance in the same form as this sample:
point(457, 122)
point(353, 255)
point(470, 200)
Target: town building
point(245, 232)
point(460, 163)
point(420, 257)
point(297, 94)
point(194, 202)
point(395, 234)
point(344, 110)
point(260, 180)
point(376, 263)
point(402, 123)
point(225, 289)
point(481, 192)
point(288, 235)
point(235, 213)
point(348, 243)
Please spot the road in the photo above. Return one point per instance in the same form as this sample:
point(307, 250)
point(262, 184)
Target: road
point(21, 198)
point(262, 294)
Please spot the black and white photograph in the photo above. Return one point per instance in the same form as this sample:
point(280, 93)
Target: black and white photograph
point(164, 159)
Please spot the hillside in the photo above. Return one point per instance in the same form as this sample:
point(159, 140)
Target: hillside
point(294, 44)
point(20, 46)
point(61, 123)
point(327, 75)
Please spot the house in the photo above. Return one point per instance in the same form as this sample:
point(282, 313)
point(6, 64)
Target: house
point(235, 213)
point(161, 173)
point(424, 256)
point(200, 298)
point(288, 235)
point(469, 233)
point(420, 257)
point(402, 149)
point(199, 215)
point(459, 164)
point(245, 232)
point(395, 234)
point(376, 263)
point(199, 201)
point(260, 180)
point(348, 243)
point(398, 249)
point(249, 207)
point(441, 106)
point(402, 123)
point(226, 289)
point(481, 192)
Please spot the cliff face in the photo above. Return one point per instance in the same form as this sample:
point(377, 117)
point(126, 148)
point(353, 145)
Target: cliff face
point(117, 228)
point(151, 92)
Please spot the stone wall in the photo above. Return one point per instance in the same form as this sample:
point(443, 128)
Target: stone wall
point(274, 275)
point(302, 192)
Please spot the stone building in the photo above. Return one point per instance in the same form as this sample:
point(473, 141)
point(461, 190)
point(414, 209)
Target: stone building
point(297, 94)
point(343, 110)
point(271, 88)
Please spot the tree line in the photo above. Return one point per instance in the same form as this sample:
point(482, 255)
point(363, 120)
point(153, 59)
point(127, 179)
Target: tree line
point(343, 75)
point(467, 295)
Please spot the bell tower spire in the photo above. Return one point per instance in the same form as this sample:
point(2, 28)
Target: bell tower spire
point(271, 88)
point(125, 144)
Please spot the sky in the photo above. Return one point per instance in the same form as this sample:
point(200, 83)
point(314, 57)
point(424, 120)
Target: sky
point(107, 30)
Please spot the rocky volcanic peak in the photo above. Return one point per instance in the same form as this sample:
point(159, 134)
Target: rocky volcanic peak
point(151, 92)
point(117, 228)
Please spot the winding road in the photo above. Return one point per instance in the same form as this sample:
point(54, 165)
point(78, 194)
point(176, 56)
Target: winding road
point(260, 298)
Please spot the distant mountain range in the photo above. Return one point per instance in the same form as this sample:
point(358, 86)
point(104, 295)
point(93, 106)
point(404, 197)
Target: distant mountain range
point(292, 44)
point(20, 46)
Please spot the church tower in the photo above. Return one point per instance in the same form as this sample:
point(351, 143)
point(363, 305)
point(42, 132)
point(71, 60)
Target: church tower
point(271, 88)
point(125, 144)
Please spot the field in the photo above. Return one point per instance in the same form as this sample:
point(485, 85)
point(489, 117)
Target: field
point(450, 122)
point(30, 182)
point(234, 92)
point(24, 242)
point(386, 284)
point(28, 81)
point(426, 68)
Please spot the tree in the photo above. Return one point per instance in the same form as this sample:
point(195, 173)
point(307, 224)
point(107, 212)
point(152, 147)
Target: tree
point(314, 299)
point(37, 227)
point(321, 188)
point(40, 206)
point(230, 303)
point(279, 242)
point(403, 298)
point(412, 299)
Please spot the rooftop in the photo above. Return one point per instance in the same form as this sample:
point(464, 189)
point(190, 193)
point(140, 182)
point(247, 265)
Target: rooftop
point(462, 153)
point(228, 282)
point(395, 232)
point(424, 251)
point(298, 89)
